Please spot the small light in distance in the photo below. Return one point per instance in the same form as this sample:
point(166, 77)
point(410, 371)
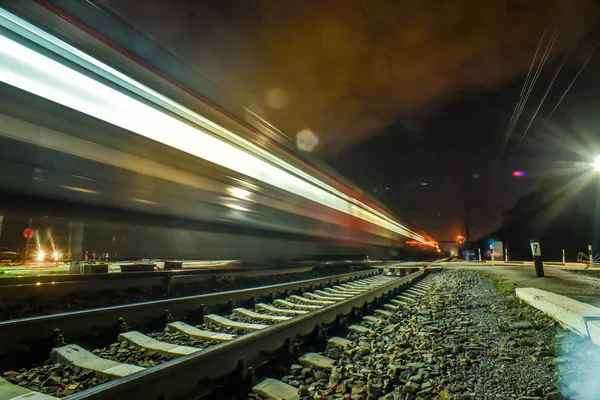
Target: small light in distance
point(41, 255)
point(460, 239)
point(596, 164)
point(56, 255)
point(424, 184)
point(518, 174)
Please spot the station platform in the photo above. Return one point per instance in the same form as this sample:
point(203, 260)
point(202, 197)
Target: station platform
point(577, 283)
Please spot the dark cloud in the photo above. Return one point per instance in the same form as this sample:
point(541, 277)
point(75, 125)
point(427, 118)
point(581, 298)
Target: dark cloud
point(348, 68)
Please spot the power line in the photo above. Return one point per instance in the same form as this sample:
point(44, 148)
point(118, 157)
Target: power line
point(530, 80)
point(541, 102)
point(569, 87)
point(525, 84)
point(538, 71)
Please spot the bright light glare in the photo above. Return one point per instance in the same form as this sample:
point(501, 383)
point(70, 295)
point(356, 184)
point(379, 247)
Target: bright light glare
point(236, 207)
point(80, 190)
point(56, 255)
point(239, 193)
point(38, 74)
point(41, 255)
point(596, 164)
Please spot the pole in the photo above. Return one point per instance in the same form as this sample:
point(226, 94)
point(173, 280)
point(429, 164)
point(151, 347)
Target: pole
point(70, 240)
point(27, 243)
point(76, 248)
point(492, 254)
point(505, 242)
point(591, 255)
point(563, 256)
point(479, 253)
point(536, 252)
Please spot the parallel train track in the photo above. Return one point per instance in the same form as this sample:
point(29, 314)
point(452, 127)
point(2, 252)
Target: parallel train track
point(283, 315)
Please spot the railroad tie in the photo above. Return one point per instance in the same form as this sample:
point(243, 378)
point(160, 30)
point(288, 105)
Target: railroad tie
point(339, 342)
point(342, 290)
point(359, 329)
point(311, 301)
point(276, 310)
point(273, 389)
point(141, 341)
point(323, 298)
point(226, 322)
point(328, 294)
point(78, 357)
point(9, 391)
point(399, 302)
point(264, 317)
point(372, 320)
point(315, 360)
point(289, 304)
point(384, 313)
point(196, 333)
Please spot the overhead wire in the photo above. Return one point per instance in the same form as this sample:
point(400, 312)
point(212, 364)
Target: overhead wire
point(556, 73)
point(569, 87)
point(536, 75)
point(524, 87)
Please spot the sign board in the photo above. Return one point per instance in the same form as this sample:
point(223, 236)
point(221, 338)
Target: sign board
point(28, 233)
point(498, 250)
point(536, 250)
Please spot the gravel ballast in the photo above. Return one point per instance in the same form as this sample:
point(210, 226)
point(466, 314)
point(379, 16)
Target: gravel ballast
point(464, 339)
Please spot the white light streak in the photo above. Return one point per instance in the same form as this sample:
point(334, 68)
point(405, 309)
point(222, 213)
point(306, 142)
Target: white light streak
point(33, 72)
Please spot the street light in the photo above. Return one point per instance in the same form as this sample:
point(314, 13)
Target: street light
point(596, 164)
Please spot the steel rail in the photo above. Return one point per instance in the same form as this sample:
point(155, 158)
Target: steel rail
point(27, 287)
point(184, 377)
point(57, 285)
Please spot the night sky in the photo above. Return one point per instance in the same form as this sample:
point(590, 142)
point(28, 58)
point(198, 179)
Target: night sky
point(409, 99)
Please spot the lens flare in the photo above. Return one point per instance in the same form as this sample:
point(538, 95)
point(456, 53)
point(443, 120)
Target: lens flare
point(518, 173)
point(41, 255)
point(596, 164)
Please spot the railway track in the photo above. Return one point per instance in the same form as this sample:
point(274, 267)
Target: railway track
point(22, 287)
point(314, 370)
point(178, 347)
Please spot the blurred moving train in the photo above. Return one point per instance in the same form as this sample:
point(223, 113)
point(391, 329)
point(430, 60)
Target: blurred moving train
point(93, 134)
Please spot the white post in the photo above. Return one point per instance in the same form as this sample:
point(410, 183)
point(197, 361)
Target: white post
point(506, 255)
point(492, 254)
point(591, 254)
point(563, 256)
point(76, 248)
point(479, 252)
